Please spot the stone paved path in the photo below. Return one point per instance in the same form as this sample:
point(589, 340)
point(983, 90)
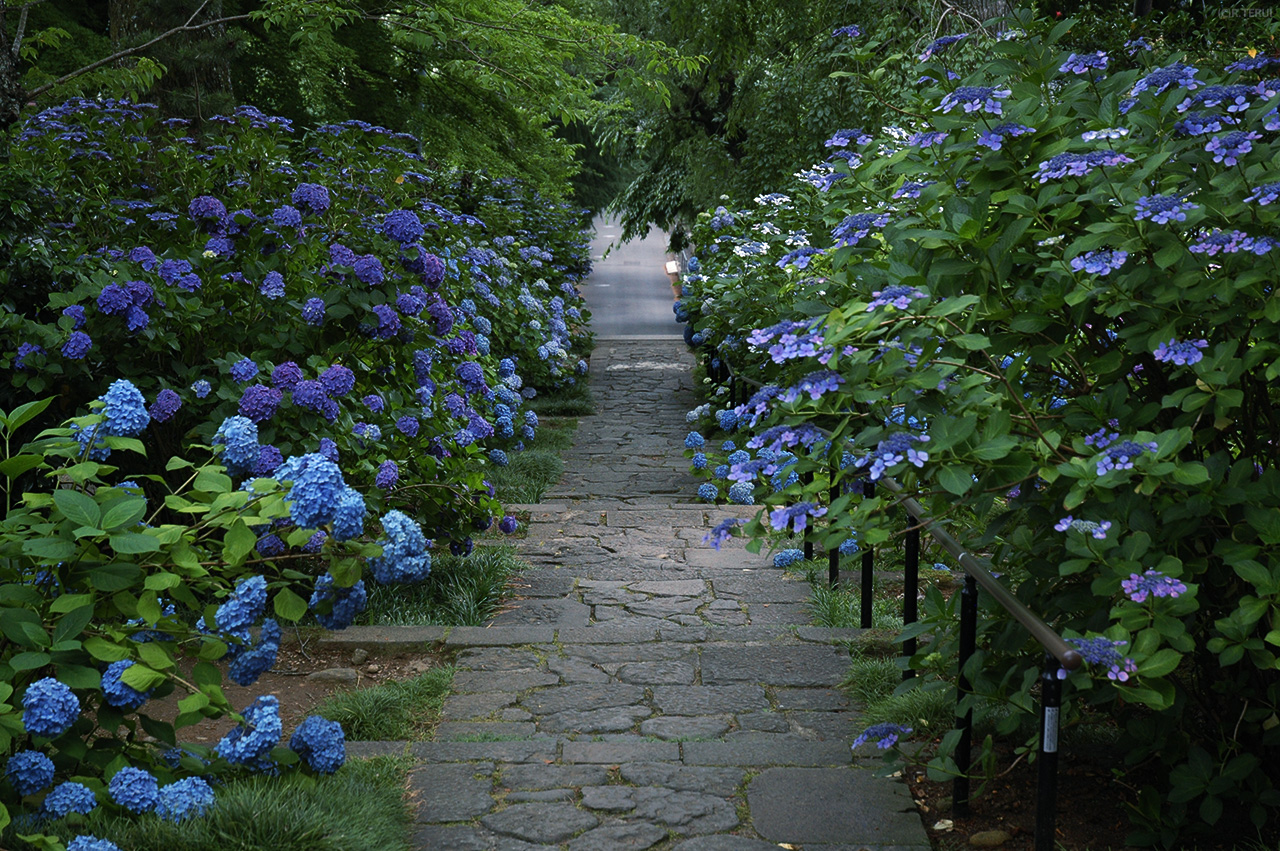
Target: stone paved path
point(646, 691)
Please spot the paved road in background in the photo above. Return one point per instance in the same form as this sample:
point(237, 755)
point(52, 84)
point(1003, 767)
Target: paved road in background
point(628, 293)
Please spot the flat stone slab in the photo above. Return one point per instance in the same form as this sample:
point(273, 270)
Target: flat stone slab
point(671, 673)
point(676, 727)
point(805, 665)
point(721, 781)
point(466, 682)
point(615, 753)
point(451, 792)
point(671, 587)
point(536, 777)
point(582, 698)
point(466, 731)
point(773, 752)
point(385, 638)
point(498, 658)
point(620, 837)
point(708, 700)
point(724, 842)
point(547, 823)
point(536, 750)
point(559, 611)
point(470, 707)
point(508, 636)
point(833, 806)
point(543, 583)
point(615, 719)
point(469, 838)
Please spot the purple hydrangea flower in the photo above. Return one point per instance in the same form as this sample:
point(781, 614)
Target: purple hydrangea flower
point(1163, 209)
point(1237, 98)
point(337, 380)
point(885, 735)
point(286, 375)
point(1229, 148)
point(403, 226)
point(24, 351)
point(847, 31)
point(1181, 353)
point(994, 138)
point(209, 213)
point(1230, 242)
point(1200, 123)
point(940, 44)
point(974, 98)
point(259, 402)
point(269, 459)
point(313, 311)
point(166, 405)
point(1151, 583)
point(894, 449)
point(1078, 165)
point(286, 216)
point(815, 384)
point(408, 426)
point(722, 532)
point(1265, 194)
point(1099, 262)
point(796, 516)
point(799, 258)
point(200, 388)
point(369, 270)
point(856, 227)
point(844, 138)
point(927, 139)
point(272, 285)
point(898, 295)
point(1089, 527)
point(912, 188)
point(1162, 78)
point(1120, 456)
point(76, 312)
point(311, 197)
point(114, 300)
point(1083, 63)
point(388, 475)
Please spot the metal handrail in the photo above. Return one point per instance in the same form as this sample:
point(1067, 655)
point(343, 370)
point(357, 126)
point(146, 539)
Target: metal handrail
point(1058, 651)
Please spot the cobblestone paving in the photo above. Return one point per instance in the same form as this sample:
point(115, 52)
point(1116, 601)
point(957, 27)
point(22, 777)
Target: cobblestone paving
point(646, 691)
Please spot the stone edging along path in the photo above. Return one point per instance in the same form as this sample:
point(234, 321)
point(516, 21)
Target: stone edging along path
point(644, 691)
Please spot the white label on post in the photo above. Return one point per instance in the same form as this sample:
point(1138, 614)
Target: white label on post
point(1051, 729)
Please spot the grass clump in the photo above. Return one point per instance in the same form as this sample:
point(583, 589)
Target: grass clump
point(529, 474)
point(572, 401)
point(461, 591)
point(360, 808)
point(405, 710)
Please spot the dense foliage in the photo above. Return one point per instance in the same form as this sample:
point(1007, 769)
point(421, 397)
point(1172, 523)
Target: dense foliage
point(1044, 303)
point(307, 351)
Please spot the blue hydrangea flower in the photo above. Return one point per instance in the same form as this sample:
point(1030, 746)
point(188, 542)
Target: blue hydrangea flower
point(1229, 148)
point(694, 440)
point(29, 772)
point(348, 515)
point(200, 388)
point(742, 493)
point(1230, 242)
point(849, 545)
point(1120, 456)
point(24, 351)
point(885, 735)
point(344, 603)
point(244, 370)
point(408, 426)
point(88, 842)
point(117, 692)
point(321, 744)
point(286, 216)
point(1162, 78)
point(940, 44)
point(368, 270)
point(994, 138)
point(255, 736)
point(249, 662)
point(788, 557)
point(894, 449)
point(1088, 527)
point(856, 227)
point(927, 139)
point(77, 345)
point(1078, 165)
point(1099, 262)
point(848, 31)
point(49, 708)
point(1265, 194)
point(912, 189)
point(708, 492)
point(796, 516)
point(270, 545)
point(208, 211)
point(1163, 209)
point(125, 409)
point(498, 458)
point(69, 797)
point(722, 532)
point(508, 524)
point(1181, 353)
point(471, 375)
point(272, 286)
point(190, 797)
point(238, 437)
point(134, 789)
point(844, 138)
point(898, 295)
point(317, 483)
point(404, 551)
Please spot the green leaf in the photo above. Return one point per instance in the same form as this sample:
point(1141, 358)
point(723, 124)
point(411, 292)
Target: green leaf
point(114, 577)
point(67, 602)
point(15, 623)
point(77, 507)
point(80, 676)
point(238, 543)
point(124, 511)
point(29, 660)
point(19, 464)
point(49, 549)
point(1160, 663)
point(211, 481)
point(1157, 694)
point(972, 342)
point(289, 605)
point(72, 623)
point(957, 480)
point(206, 674)
point(133, 543)
point(24, 414)
point(141, 677)
point(156, 654)
point(106, 651)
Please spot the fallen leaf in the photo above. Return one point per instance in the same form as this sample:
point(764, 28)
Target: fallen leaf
point(944, 824)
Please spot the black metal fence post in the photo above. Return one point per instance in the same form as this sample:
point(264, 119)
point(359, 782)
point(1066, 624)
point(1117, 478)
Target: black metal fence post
point(807, 479)
point(964, 720)
point(833, 554)
point(1047, 779)
point(868, 566)
point(910, 588)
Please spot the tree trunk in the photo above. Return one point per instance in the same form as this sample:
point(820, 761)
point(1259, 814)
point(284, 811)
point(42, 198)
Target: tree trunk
point(13, 97)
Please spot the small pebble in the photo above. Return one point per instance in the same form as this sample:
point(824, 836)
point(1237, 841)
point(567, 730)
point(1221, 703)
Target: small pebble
point(373, 669)
point(359, 655)
point(989, 838)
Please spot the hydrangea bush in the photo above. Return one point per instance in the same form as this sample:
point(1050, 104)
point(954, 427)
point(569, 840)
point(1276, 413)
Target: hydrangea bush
point(1046, 307)
point(305, 354)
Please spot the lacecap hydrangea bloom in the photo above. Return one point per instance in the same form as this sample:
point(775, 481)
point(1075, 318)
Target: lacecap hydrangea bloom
point(1152, 583)
point(49, 708)
point(885, 735)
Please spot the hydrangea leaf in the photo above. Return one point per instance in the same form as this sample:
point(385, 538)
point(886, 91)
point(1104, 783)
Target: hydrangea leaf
point(133, 543)
point(238, 543)
point(79, 508)
point(289, 605)
point(141, 677)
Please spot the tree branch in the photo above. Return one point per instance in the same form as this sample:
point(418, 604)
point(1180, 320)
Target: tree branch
point(187, 27)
